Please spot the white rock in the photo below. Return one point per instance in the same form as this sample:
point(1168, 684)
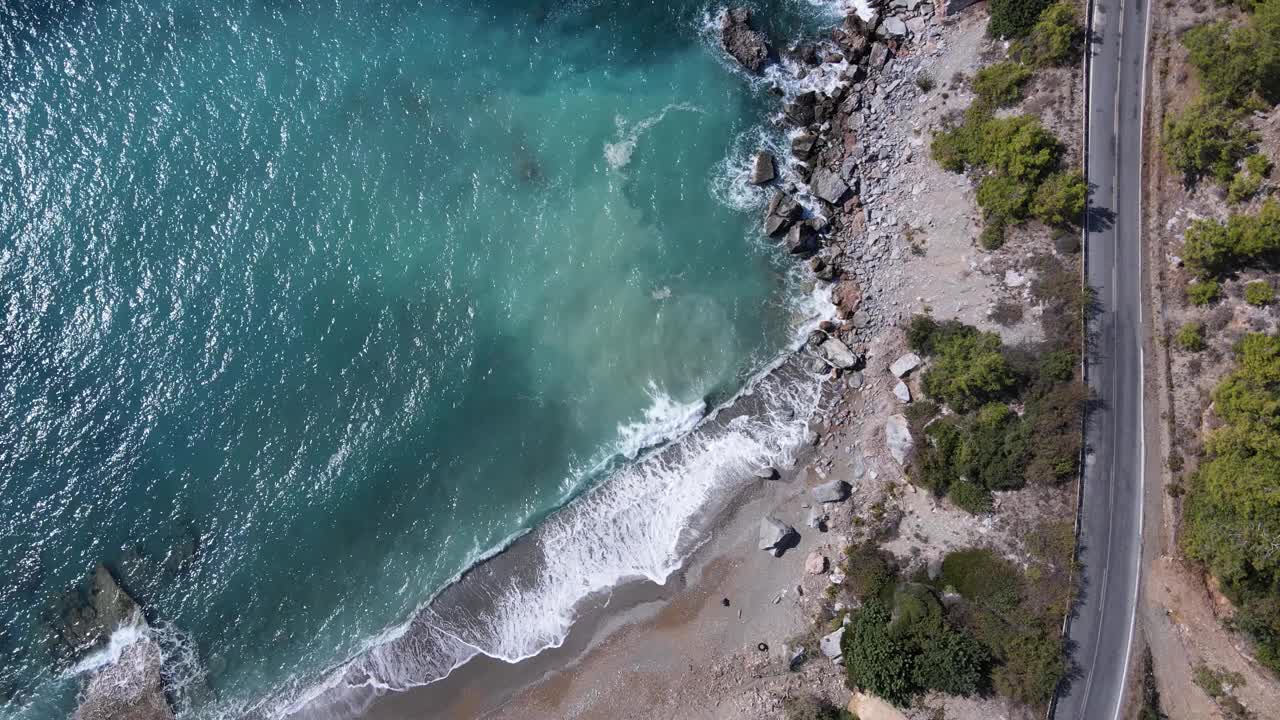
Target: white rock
point(905, 364)
point(902, 392)
point(1013, 278)
point(897, 436)
point(830, 644)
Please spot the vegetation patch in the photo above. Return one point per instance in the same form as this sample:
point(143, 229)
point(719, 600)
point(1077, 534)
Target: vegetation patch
point(1212, 248)
point(1232, 511)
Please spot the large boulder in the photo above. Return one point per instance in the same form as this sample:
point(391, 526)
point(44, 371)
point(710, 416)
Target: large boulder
point(846, 297)
point(782, 212)
point(839, 354)
point(815, 564)
point(902, 392)
point(743, 42)
point(905, 364)
point(897, 437)
point(830, 644)
point(801, 110)
point(762, 169)
point(831, 492)
point(801, 240)
point(777, 536)
point(894, 26)
point(803, 145)
point(828, 185)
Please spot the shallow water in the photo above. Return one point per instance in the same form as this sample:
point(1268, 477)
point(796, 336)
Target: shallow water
point(309, 306)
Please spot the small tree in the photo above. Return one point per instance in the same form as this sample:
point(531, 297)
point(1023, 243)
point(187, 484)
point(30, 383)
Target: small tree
point(1000, 85)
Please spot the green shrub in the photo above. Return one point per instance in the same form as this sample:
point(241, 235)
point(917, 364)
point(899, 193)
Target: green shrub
point(992, 236)
point(1258, 164)
point(1053, 429)
point(1003, 200)
point(1259, 293)
point(925, 81)
point(935, 463)
point(1203, 292)
point(1236, 63)
point(869, 571)
point(1033, 667)
point(970, 497)
point(994, 453)
point(983, 578)
point(1014, 18)
point(808, 707)
point(1213, 248)
point(874, 658)
point(1018, 146)
point(1060, 199)
point(1207, 140)
point(1243, 186)
point(1191, 337)
point(951, 662)
point(1000, 85)
point(1055, 39)
point(968, 370)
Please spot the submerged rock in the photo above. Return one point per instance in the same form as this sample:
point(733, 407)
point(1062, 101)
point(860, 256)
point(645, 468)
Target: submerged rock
point(743, 42)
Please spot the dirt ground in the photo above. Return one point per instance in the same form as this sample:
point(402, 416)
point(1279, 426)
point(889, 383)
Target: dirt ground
point(1181, 615)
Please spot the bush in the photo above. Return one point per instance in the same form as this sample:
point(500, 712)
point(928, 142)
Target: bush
point(1060, 199)
point(1259, 293)
point(1015, 18)
point(1191, 337)
point(1236, 63)
point(968, 369)
point(869, 572)
point(1018, 146)
point(992, 236)
point(1207, 140)
point(1066, 242)
point(970, 497)
point(983, 578)
point(925, 81)
point(951, 662)
point(1032, 669)
point(1003, 200)
point(1231, 515)
point(1213, 248)
point(1055, 39)
point(874, 658)
point(1000, 85)
point(1258, 164)
point(809, 707)
point(1053, 423)
point(1243, 186)
point(1203, 292)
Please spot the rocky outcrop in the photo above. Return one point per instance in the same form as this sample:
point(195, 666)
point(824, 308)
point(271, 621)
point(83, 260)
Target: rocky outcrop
point(84, 622)
point(776, 536)
point(743, 42)
point(782, 212)
point(897, 437)
point(132, 688)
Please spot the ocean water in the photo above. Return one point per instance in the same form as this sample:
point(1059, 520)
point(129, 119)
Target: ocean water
point(311, 305)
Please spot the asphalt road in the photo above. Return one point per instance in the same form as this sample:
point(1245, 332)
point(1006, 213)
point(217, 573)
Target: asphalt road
point(1101, 631)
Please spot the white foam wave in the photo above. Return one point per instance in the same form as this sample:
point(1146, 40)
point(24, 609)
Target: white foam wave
point(664, 420)
point(618, 154)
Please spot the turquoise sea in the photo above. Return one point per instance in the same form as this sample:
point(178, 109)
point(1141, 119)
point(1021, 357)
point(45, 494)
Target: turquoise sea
point(309, 305)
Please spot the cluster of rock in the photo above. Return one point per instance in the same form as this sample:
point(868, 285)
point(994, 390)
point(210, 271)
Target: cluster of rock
point(834, 214)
